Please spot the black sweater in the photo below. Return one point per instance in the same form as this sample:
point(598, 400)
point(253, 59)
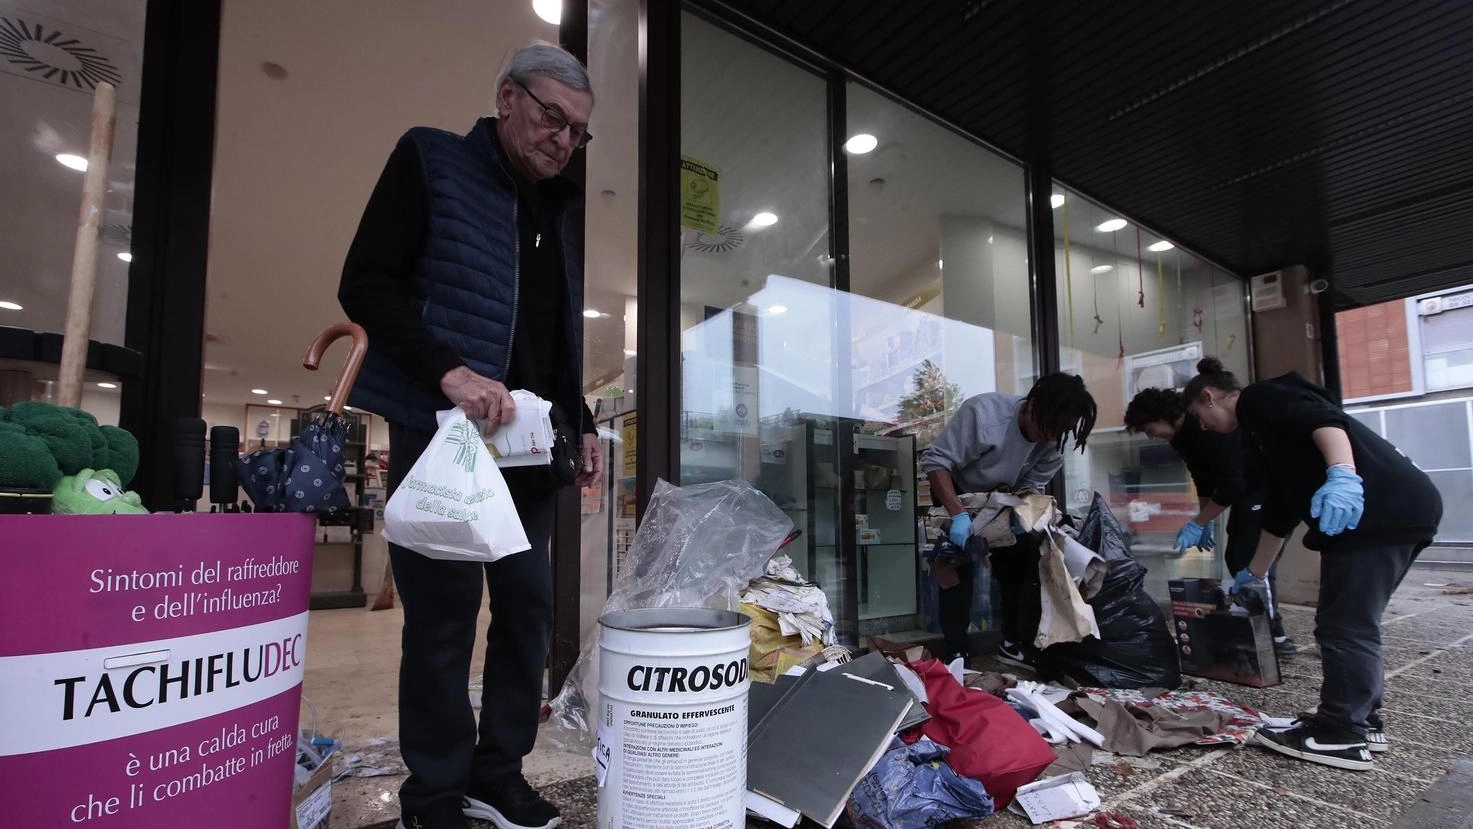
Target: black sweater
point(382, 261)
point(1278, 418)
point(1217, 462)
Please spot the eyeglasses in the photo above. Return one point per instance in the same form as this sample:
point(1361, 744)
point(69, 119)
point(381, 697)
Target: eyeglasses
point(555, 121)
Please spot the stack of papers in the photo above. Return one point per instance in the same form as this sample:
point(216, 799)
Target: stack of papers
point(801, 607)
point(527, 439)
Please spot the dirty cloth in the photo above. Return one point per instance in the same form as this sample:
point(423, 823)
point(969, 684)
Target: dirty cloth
point(1066, 617)
point(1135, 731)
point(802, 608)
point(989, 741)
point(1234, 724)
point(913, 787)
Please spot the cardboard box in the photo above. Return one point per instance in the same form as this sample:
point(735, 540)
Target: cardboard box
point(312, 801)
point(1217, 640)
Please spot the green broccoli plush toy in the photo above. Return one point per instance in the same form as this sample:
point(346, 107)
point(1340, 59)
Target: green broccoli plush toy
point(85, 466)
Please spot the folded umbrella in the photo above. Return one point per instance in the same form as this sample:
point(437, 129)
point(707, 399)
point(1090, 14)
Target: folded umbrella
point(308, 476)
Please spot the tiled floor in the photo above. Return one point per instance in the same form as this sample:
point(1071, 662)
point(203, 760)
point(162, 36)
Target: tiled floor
point(1429, 668)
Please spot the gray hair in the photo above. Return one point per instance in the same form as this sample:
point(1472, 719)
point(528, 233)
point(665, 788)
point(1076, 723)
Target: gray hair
point(543, 59)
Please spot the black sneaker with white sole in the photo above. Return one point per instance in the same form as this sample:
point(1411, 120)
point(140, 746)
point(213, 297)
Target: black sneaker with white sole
point(439, 815)
point(511, 804)
point(1014, 654)
point(1376, 739)
point(1305, 743)
point(1285, 647)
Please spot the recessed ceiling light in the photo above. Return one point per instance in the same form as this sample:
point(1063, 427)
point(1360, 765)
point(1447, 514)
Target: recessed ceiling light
point(1111, 225)
point(11, 306)
point(591, 314)
point(126, 256)
point(550, 11)
point(327, 397)
point(939, 262)
point(629, 352)
point(75, 162)
point(259, 391)
point(861, 144)
point(347, 408)
point(1056, 200)
point(1161, 247)
point(107, 385)
point(763, 219)
point(274, 402)
point(1102, 269)
point(777, 309)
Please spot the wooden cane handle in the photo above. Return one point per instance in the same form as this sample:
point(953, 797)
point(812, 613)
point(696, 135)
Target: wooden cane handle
point(349, 374)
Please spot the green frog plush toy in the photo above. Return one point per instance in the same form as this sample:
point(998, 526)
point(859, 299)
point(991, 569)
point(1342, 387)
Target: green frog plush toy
point(86, 466)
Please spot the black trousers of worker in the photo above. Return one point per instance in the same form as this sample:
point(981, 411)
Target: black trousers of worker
point(1356, 583)
point(1020, 604)
point(446, 751)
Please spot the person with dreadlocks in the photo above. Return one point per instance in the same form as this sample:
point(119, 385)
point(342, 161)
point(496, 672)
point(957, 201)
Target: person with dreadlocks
point(1226, 481)
point(1004, 443)
point(1370, 512)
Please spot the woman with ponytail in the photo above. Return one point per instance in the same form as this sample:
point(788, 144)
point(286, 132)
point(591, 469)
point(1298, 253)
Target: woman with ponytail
point(1226, 481)
point(1370, 513)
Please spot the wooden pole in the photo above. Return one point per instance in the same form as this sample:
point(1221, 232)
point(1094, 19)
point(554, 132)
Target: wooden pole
point(78, 330)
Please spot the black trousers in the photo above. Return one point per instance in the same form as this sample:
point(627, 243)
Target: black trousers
point(1355, 585)
point(955, 611)
point(1244, 527)
point(1020, 602)
point(443, 746)
point(1020, 606)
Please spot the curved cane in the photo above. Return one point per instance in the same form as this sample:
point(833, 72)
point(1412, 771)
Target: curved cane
point(349, 375)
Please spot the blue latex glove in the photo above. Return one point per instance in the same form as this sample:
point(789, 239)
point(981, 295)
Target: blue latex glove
point(1252, 592)
point(1190, 536)
point(1209, 538)
point(1340, 502)
point(961, 528)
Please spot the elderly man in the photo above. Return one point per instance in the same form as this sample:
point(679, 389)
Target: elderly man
point(469, 282)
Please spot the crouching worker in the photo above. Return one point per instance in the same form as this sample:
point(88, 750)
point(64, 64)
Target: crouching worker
point(1003, 443)
point(1370, 513)
point(1225, 477)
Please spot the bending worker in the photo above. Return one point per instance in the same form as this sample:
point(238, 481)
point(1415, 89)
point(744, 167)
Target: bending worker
point(1004, 443)
point(1370, 512)
point(1224, 477)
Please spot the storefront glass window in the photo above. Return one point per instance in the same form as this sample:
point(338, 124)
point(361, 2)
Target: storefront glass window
point(940, 313)
point(1137, 312)
point(759, 378)
point(52, 57)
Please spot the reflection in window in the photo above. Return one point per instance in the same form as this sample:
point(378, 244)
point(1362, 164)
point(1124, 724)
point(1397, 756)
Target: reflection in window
point(1136, 312)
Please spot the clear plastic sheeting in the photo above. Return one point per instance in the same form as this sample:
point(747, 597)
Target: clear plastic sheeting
point(698, 546)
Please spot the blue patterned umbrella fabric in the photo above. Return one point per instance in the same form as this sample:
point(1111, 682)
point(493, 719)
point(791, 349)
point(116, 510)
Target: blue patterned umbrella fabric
point(308, 476)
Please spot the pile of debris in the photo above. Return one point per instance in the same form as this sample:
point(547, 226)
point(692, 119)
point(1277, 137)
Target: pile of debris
point(895, 738)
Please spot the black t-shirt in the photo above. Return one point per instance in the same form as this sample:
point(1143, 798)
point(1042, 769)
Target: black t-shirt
point(1216, 462)
point(1278, 418)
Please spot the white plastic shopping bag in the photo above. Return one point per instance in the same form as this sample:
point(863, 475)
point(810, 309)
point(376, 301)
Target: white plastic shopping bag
point(454, 504)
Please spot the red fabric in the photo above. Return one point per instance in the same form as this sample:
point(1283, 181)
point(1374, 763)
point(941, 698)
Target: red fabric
point(989, 741)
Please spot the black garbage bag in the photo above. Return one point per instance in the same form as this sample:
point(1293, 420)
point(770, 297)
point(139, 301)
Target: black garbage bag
point(1135, 648)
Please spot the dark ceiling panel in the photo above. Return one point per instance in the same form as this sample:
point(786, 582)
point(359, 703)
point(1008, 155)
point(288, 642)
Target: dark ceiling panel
point(1332, 133)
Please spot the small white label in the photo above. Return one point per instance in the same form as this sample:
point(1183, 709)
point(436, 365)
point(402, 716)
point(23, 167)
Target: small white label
point(315, 808)
point(892, 500)
point(601, 755)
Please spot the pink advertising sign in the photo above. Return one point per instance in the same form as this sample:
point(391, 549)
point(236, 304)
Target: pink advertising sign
point(151, 669)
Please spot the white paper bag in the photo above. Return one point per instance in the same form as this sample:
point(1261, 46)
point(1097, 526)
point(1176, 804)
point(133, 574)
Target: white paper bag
point(527, 439)
point(454, 504)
